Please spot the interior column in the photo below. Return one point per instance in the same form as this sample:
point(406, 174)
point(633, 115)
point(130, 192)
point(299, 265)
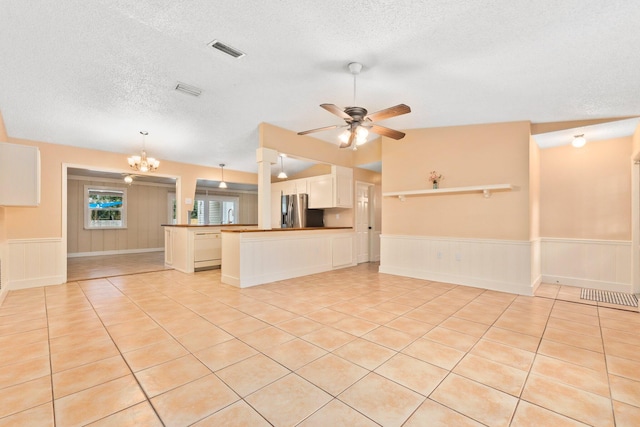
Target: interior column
point(265, 158)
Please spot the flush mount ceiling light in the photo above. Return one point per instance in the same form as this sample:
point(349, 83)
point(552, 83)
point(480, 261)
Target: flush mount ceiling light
point(282, 174)
point(188, 89)
point(231, 51)
point(578, 141)
point(222, 183)
point(143, 163)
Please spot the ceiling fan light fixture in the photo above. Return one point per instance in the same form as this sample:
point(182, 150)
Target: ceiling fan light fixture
point(361, 135)
point(344, 136)
point(579, 141)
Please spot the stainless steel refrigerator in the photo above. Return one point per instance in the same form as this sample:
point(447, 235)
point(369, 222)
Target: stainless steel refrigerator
point(296, 214)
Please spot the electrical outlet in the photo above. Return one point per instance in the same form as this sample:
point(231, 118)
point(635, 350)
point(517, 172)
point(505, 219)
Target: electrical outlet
point(337, 216)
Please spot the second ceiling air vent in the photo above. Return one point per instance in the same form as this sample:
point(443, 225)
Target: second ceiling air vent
point(226, 49)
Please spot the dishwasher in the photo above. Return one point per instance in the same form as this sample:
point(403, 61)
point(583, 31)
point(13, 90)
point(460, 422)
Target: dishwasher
point(207, 251)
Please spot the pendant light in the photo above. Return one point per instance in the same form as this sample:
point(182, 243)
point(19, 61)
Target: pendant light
point(222, 183)
point(282, 174)
point(579, 141)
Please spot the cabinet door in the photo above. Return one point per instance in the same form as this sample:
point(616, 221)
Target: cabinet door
point(344, 187)
point(302, 186)
point(320, 192)
point(19, 175)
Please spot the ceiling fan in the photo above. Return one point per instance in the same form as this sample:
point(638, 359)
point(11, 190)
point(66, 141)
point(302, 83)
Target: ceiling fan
point(358, 119)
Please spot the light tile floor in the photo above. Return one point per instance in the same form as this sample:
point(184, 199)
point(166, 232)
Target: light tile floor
point(346, 348)
point(93, 267)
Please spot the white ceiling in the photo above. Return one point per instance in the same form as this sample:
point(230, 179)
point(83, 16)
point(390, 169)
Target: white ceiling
point(95, 73)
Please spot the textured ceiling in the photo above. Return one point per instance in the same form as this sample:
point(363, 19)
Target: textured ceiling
point(95, 73)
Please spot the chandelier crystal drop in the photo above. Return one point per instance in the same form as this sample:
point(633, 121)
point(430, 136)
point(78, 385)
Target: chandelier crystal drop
point(143, 163)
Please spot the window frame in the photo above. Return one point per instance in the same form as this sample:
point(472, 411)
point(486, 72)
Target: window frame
point(87, 209)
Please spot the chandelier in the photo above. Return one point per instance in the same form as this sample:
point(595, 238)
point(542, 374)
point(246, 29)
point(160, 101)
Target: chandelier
point(143, 163)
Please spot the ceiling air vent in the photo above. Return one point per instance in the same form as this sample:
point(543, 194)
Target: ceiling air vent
point(191, 90)
point(226, 49)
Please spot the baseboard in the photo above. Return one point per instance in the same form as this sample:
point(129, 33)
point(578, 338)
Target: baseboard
point(459, 280)
point(35, 282)
point(281, 275)
point(3, 295)
point(586, 283)
point(116, 252)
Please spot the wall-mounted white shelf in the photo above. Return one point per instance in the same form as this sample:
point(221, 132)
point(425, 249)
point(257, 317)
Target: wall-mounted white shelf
point(484, 189)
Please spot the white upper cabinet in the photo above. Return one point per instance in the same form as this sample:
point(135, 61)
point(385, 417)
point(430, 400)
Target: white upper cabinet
point(334, 190)
point(321, 192)
point(19, 175)
point(343, 186)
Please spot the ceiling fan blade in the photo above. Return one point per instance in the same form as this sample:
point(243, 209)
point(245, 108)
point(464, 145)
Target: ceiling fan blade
point(389, 112)
point(334, 109)
point(391, 133)
point(352, 137)
point(318, 130)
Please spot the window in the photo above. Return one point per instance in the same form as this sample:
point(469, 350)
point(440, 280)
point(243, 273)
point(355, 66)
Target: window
point(105, 207)
point(208, 209)
point(214, 209)
point(171, 200)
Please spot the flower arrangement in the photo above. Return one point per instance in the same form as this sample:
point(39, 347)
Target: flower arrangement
point(435, 176)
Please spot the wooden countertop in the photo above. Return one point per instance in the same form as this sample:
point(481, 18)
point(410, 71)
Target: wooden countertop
point(208, 225)
point(255, 230)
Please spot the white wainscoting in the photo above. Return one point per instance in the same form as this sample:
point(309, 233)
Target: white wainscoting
point(250, 259)
point(34, 262)
point(501, 265)
point(596, 264)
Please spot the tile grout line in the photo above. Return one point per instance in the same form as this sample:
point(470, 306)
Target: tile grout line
point(120, 354)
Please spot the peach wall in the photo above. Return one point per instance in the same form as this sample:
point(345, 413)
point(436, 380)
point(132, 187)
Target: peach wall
point(466, 156)
point(303, 146)
point(636, 143)
point(586, 193)
point(46, 220)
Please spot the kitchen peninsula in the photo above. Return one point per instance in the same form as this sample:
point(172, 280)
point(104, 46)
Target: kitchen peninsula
point(253, 257)
point(189, 247)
